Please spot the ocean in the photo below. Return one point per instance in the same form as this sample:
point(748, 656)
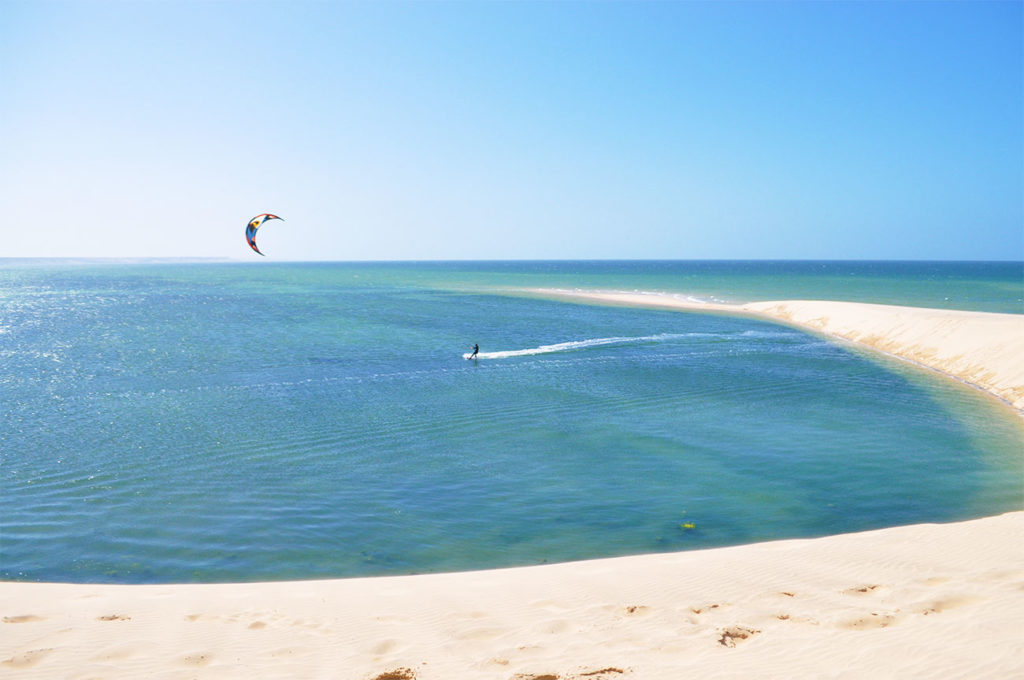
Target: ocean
point(204, 421)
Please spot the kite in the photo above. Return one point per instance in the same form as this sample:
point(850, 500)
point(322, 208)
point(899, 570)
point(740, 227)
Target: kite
point(254, 224)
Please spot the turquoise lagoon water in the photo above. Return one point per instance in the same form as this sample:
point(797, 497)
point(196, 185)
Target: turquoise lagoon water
point(168, 422)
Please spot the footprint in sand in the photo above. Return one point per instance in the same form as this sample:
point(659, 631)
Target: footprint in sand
point(730, 637)
point(26, 659)
point(602, 674)
point(480, 634)
point(556, 627)
point(283, 653)
point(797, 619)
point(628, 610)
point(396, 674)
point(876, 620)
point(939, 606)
point(861, 590)
point(548, 605)
point(116, 654)
point(1003, 575)
point(197, 660)
point(113, 617)
point(472, 615)
point(705, 608)
point(25, 618)
point(384, 647)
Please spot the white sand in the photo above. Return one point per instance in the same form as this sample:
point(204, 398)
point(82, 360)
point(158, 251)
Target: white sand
point(980, 348)
point(926, 601)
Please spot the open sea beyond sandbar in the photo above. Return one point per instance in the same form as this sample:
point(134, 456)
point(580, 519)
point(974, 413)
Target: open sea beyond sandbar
point(169, 422)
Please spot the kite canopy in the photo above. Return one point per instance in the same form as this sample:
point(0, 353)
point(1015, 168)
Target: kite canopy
point(254, 224)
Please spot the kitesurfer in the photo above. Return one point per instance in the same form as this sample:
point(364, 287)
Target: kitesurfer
point(476, 349)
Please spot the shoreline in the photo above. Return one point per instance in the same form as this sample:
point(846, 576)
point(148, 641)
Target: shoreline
point(919, 601)
point(982, 349)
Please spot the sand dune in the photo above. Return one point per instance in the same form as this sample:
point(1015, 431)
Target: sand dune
point(980, 348)
point(924, 601)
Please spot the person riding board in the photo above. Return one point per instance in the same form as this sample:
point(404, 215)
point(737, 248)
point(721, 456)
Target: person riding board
point(476, 349)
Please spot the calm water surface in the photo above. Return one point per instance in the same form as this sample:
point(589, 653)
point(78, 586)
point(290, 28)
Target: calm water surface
point(232, 422)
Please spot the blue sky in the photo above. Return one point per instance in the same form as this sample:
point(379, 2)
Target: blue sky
point(506, 130)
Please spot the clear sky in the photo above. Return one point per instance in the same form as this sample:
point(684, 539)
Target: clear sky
point(508, 130)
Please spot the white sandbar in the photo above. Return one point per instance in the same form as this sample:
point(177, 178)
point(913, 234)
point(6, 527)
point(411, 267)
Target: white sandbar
point(981, 348)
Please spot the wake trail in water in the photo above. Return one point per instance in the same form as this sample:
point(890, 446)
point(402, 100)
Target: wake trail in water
point(577, 345)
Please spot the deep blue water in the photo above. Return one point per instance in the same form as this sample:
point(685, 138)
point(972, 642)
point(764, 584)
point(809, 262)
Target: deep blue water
point(221, 422)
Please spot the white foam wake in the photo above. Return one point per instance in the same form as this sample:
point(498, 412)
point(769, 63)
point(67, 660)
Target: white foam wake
point(574, 345)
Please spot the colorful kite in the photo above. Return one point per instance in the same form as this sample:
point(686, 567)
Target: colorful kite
point(254, 224)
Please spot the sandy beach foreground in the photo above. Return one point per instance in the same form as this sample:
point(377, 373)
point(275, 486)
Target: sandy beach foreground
point(923, 601)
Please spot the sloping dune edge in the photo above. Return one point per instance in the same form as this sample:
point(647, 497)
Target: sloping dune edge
point(920, 601)
point(983, 349)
